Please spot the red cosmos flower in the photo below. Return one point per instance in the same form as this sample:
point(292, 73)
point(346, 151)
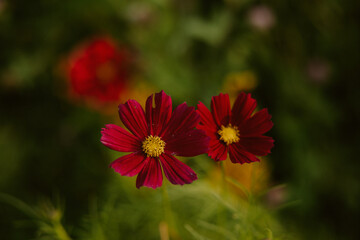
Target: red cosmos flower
point(154, 138)
point(99, 71)
point(236, 131)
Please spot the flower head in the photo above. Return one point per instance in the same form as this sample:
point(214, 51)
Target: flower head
point(99, 71)
point(154, 137)
point(236, 131)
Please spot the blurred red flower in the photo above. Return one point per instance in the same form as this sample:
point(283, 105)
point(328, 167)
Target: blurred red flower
point(236, 131)
point(155, 137)
point(98, 71)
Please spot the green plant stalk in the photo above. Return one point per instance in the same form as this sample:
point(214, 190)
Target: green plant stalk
point(168, 213)
point(224, 192)
point(60, 231)
point(223, 179)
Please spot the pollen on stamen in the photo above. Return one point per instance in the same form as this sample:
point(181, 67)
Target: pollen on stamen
point(229, 134)
point(153, 146)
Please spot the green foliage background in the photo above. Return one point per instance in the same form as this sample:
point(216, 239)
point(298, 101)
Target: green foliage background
point(50, 146)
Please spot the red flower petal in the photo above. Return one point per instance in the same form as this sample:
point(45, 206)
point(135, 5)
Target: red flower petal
point(99, 70)
point(150, 175)
point(207, 120)
point(133, 117)
point(158, 116)
point(239, 155)
point(218, 150)
point(259, 146)
point(220, 108)
point(119, 139)
point(243, 107)
point(183, 119)
point(258, 124)
point(188, 144)
point(129, 165)
point(176, 171)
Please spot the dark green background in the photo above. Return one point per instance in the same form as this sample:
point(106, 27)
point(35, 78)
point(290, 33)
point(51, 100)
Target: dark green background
point(50, 145)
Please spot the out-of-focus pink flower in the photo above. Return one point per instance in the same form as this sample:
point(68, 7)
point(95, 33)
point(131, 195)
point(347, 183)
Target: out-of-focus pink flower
point(276, 196)
point(261, 17)
point(98, 71)
point(2, 5)
point(140, 13)
point(318, 70)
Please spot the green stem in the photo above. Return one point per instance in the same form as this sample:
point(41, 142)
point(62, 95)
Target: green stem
point(168, 213)
point(60, 231)
point(223, 191)
point(223, 178)
point(166, 203)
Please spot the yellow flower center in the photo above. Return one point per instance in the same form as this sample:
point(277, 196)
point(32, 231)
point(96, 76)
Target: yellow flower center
point(229, 134)
point(153, 146)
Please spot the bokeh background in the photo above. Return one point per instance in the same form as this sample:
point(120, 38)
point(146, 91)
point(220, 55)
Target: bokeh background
point(299, 59)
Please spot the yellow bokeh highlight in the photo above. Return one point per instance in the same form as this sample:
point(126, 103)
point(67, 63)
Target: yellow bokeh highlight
point(237, 82)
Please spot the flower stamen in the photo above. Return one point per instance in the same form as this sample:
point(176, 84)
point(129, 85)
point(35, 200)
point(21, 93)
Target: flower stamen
point(153, 146)
point(229, 134)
